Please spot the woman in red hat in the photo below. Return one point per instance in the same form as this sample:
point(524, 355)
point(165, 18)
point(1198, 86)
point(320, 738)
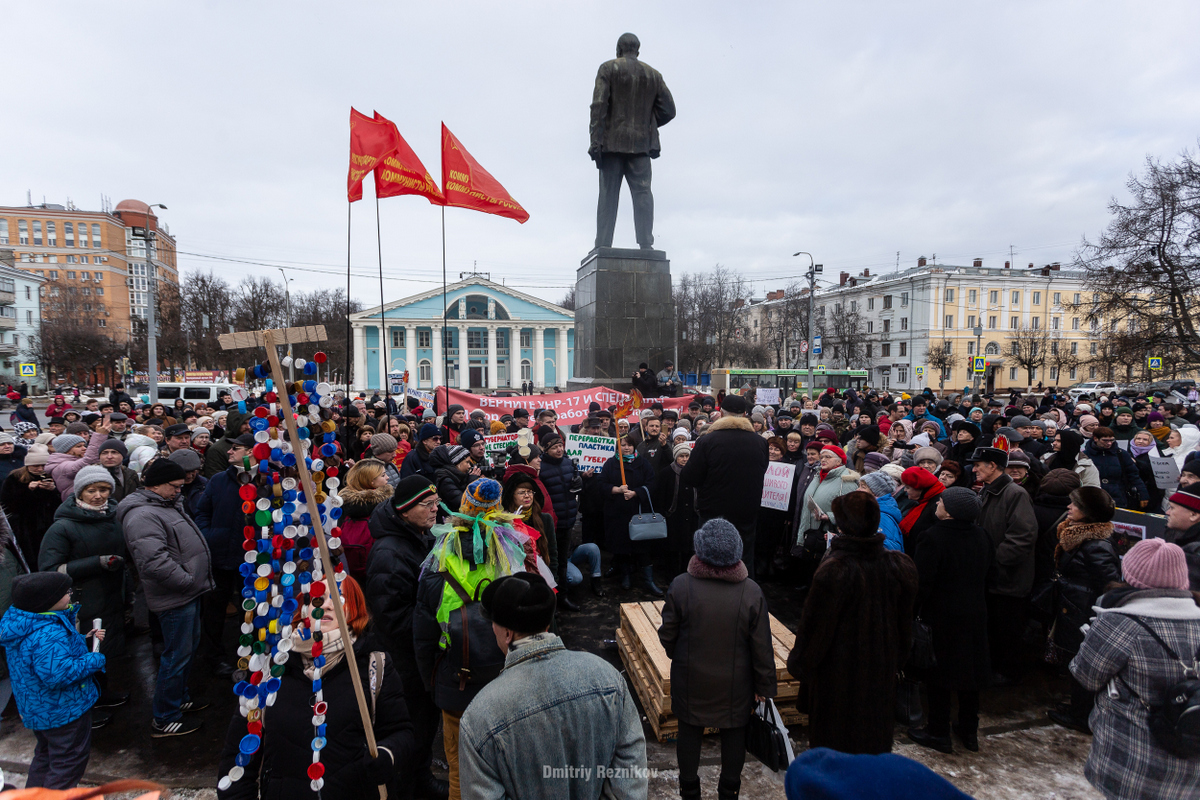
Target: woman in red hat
point(919, 513)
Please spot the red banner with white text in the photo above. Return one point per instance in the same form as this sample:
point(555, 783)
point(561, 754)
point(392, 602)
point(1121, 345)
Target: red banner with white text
point(468, 185)
point(571, 407)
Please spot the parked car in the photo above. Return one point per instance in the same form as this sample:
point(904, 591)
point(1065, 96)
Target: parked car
point(1091, 390)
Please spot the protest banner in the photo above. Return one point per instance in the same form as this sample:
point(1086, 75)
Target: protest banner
point(571, 407)
point(777, 485)
point(590, 452)
point(1166, 472)
point(765, 396)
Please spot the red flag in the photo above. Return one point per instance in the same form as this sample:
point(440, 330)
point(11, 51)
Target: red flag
point(401, 172)
point(370, 142)
point(468, 185)
point(631, 404)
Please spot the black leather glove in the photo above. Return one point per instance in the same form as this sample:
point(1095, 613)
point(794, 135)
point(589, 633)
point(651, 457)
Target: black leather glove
point(381, 769)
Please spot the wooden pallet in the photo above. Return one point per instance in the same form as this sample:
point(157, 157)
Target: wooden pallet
point(649, 668)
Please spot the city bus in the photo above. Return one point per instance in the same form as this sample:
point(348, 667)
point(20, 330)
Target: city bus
point(788, 380)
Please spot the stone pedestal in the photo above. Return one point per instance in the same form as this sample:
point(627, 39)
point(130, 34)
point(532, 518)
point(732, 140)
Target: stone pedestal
point(624, 315)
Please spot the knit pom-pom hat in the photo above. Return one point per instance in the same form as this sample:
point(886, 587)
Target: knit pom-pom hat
point(481, 496)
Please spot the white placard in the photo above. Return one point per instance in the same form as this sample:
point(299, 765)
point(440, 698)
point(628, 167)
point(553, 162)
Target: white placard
point(499, 442)
point(777, 485)
point(765, 396)
point(1166, 472)
point(590, 452)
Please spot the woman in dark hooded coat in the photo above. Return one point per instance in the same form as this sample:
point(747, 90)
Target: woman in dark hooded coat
point(989, 425)
point(966, 437)
point(678, 504)
point(855, 633)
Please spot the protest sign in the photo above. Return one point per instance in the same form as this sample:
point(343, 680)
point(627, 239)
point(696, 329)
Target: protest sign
point(777, 485)
point(764, 396)
point(590, 452)
point(1166, 472)
point(498, 443)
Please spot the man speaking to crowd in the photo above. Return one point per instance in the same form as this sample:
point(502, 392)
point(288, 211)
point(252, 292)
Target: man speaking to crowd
point(727, 468)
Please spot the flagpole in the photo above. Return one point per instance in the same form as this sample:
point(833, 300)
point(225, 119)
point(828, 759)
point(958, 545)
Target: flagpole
point(382, 313)
point(445, 350)
point(349, 339)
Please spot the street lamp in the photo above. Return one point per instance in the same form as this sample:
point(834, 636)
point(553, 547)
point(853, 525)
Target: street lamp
point(813, 269)
point(151, 324)
point(287, 296)
point(978, 331)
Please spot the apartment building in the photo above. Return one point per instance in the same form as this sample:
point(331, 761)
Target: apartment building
point(96, 259)
point(20, 319)
point(893, 323)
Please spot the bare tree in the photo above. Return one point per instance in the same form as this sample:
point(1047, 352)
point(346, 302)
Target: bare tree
point(940, 357)
point(1027, 347)
point(1145, 266)
point(842, 335)
point(1061, 359)
point(785, 324)
point(568, 301)
point(709, 314)
point(73, 344)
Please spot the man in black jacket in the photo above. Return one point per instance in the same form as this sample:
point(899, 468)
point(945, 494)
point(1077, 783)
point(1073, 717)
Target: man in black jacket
point(1183, 518)
point(726, 468)
point(400, 528)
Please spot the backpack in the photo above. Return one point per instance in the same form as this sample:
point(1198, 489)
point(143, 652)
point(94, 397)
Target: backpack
point(464, 626)
point(1175, 722)
point(356, 546)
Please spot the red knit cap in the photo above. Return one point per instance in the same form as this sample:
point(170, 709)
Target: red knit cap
point(837, 451)
point(918, 478)
point(1187, 500)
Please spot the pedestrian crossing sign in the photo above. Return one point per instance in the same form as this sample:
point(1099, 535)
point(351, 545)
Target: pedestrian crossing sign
point(920, 373)
point(29, 370)
point(978, 364)
point(1155, 363)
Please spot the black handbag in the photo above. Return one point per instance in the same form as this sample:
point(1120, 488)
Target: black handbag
point(908, 702)
point(766, 737)
point(922, 655)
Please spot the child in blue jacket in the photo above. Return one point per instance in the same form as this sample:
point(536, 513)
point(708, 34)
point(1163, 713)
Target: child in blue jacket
point(51, 669)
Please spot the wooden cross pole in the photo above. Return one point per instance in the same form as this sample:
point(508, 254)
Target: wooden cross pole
point(269, 339)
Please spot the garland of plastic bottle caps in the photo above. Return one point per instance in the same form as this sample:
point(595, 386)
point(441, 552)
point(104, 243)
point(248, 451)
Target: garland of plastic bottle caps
point(282, 567)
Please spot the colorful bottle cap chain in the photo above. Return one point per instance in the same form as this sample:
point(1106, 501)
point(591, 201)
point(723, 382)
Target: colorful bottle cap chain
point(282, 593)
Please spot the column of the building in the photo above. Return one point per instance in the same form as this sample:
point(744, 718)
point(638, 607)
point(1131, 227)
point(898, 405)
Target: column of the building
point(464, 361)
point(383, 365)
point(360, 358)
point(491, 358)
point(410, 355)
point(438, 379)
point(539, 357)
point(561, 371)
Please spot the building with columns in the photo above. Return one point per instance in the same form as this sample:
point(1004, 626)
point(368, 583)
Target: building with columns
point(489, 337)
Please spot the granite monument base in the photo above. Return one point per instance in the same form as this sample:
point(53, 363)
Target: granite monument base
point(624, 315)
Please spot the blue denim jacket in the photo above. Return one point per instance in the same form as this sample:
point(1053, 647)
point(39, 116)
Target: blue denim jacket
point(555, 723)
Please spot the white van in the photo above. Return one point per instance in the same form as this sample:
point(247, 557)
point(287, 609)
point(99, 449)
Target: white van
point(193, 393)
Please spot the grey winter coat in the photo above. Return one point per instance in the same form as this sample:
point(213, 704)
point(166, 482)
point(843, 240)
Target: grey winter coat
point(170, 553)
point(716, 629)
point(1008, 518)
point(1127, 668)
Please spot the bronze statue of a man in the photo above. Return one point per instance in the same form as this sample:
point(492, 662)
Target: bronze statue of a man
point(629, 104)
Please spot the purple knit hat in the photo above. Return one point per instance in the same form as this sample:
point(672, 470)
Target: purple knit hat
point(1155, 564)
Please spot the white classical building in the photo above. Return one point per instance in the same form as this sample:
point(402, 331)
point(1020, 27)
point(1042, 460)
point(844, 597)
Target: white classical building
point(490, 336)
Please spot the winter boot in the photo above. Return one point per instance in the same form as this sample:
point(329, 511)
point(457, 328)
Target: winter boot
point(649, 585)
point(597, 588)
point(729, 788)
point(626, 576)
point(689, 788)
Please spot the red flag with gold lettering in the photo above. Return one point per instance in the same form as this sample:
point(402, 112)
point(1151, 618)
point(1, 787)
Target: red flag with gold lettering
point(468, 185)
point(370, 142)
point(401, 172)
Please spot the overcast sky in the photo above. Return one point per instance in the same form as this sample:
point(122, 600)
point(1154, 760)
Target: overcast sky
point(850, 130)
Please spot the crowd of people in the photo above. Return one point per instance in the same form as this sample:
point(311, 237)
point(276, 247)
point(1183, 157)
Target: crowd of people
point(954, 544)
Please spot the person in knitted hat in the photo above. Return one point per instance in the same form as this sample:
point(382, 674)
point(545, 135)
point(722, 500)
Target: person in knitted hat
point(429, 438)
point(1124, 652)
point(677, 502)
point(70, 454)
point(11, 458)
point(622, 500)
point(382, 447)
point(720, 666)
point(854, 631)
point(920, 511)
point(51, 666)
point(953, 561)
point(86, 543)
point(474, 547)
point(814, 516)
point(881, 486)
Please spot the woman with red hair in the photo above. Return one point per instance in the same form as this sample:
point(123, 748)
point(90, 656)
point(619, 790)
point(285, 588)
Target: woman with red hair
point(919, 514)
point(278, 769)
